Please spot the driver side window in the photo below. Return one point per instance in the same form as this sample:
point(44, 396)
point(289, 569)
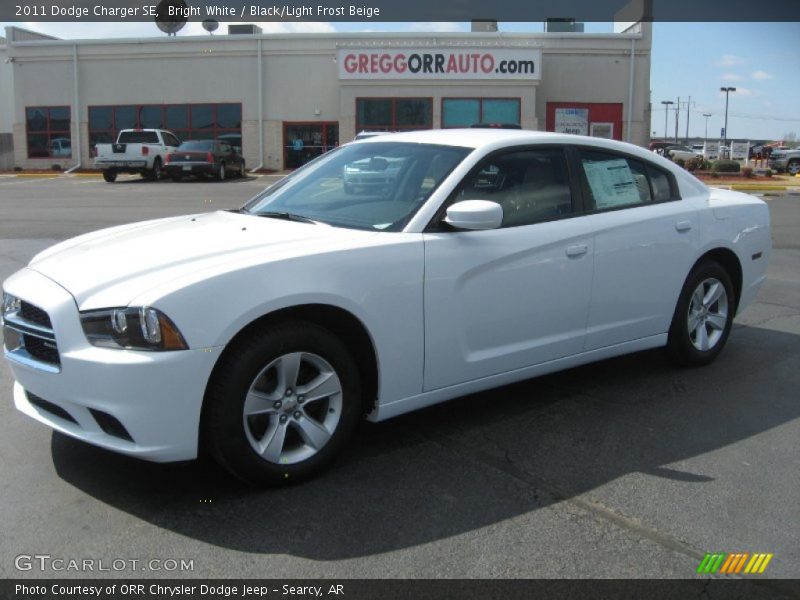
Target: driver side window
point(530, 185)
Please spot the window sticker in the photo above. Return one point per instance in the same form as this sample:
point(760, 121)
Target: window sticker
point(612, 183)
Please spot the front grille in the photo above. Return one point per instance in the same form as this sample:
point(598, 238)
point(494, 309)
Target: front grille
point(34, 314)
point(30, 339)
point(42, 349)
point(53, 409)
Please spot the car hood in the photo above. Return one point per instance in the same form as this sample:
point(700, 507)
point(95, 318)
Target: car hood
point(111, 267)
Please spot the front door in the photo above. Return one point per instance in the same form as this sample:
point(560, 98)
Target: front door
point(508, 298)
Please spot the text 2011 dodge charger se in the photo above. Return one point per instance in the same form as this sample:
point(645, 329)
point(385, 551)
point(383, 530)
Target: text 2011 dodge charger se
point(265, 334)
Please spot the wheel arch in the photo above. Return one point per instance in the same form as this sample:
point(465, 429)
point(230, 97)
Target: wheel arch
point(729, 261)
point(342, 323)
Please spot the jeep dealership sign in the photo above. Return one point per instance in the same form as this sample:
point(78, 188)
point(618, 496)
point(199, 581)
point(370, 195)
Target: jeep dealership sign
point(441, 63)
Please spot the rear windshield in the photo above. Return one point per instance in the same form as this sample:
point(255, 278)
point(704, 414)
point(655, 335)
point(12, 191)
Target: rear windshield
point(197, 145)
point(138, 137)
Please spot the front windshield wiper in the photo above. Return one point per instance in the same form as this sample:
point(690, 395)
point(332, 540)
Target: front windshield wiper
point(286, 216)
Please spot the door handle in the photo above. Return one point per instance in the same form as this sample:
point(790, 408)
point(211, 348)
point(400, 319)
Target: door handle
point(683, 225)
point(577, 250)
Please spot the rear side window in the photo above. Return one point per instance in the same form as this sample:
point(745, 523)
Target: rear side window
point(617, 181)
point(662, 190)
point(138, 137)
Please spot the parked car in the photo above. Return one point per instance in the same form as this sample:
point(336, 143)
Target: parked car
point(724, 152)
point(206, 158)
point(698, 149)
point(234, 139)
point(140, 151)
point(60, 147)
point(265, 334)
point(677, 151)
point(785, 159)
point(376, 173)
point(658, 147)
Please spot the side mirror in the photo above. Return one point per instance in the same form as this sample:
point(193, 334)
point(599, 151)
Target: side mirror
point(474, 215)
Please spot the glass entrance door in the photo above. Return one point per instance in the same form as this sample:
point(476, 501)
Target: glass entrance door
point(303, 142)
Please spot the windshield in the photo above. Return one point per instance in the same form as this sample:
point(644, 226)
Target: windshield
point(196, 145)
point(375, 186)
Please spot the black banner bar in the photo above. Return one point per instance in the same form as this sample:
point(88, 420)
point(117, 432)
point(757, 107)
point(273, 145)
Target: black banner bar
point(390, 589)
point(405, 11)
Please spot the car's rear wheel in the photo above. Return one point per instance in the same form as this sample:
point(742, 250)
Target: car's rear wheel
point(221, 174)
point(282, 403)
point(155, 173)
point(703, 316)
point(109, 175)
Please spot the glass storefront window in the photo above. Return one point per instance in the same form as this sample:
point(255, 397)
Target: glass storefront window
point(464, 112)
point(392, 114)
point(48, 132)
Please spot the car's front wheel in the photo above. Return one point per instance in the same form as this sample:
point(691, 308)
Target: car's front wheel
point(793, 168)
point(704, 315)
point(282, 403)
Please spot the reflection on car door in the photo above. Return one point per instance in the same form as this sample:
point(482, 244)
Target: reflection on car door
point(508, 298)
point(644, 246)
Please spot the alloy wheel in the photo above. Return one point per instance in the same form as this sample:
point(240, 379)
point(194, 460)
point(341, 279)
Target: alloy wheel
point(708, 314)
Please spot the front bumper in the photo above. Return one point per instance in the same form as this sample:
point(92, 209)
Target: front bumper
point(778, 165)
point(156, 396)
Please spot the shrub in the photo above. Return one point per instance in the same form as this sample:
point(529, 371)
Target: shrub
point(725, 166)
point(55, 167)
point(680, 162)
point(768, 173)
point(698, 163)
point(715, 175)
point(18, 169)
point(747, 172)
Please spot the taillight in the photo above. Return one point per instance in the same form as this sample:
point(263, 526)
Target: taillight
point(209, 157)
point(145, 150)
point(167, 158)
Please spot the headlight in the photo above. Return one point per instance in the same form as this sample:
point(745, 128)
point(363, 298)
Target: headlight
point(139, 328)
point(11, 304)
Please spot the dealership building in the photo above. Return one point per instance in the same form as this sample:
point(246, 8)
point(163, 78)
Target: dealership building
point(286, 98)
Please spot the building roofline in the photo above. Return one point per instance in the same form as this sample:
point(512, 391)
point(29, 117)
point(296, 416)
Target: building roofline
point(538, 36)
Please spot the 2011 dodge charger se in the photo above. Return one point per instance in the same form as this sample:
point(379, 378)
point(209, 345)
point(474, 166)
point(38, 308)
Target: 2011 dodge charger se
point(266, 333)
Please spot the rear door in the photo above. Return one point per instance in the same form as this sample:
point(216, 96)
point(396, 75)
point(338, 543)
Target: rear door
point(512, 297)
point(644, 245)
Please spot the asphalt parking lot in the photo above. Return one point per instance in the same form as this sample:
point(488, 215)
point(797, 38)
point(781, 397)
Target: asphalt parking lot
point(625, 468)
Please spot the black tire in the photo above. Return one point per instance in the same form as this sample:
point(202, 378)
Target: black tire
point(349, 189)
point(109, 175)
point(222, 174)
point(155, 173)
point(682, 345)
point(241, 172)
point(793, 168)
point(225, 432)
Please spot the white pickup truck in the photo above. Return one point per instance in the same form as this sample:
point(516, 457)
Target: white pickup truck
point(140, 151)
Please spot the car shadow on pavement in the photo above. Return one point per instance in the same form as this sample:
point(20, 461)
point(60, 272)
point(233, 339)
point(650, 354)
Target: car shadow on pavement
point(472, 462)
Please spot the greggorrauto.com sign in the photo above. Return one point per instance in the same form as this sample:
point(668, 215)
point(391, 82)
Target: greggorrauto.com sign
point(444, 63)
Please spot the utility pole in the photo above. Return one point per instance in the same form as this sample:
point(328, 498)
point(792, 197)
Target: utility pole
point(706, 115)
point(677, 118)
point(688, 103)
point(666, 104)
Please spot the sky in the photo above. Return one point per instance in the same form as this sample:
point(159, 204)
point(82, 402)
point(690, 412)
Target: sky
point(689, 60)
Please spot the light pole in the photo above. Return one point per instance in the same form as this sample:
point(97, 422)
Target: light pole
point(727, 91)
point(666, 104)
point(706, 115)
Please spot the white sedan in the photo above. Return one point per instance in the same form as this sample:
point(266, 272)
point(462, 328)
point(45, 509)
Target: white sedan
point(266, 333)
